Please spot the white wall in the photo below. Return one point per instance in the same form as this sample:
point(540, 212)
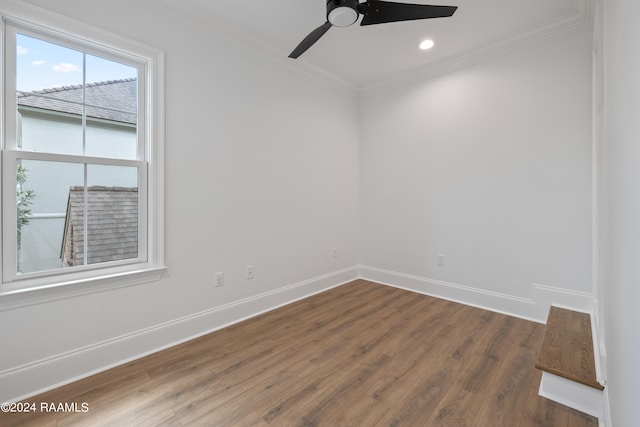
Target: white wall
point(621, 290)
point(261, 169)
point(490, 166)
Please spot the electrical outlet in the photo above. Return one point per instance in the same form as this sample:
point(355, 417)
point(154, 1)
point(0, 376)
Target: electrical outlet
point(250, 272)
point(334, 253)
point(440, 259)
point(219, 279)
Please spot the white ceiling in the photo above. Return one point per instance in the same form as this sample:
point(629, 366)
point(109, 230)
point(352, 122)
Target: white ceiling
point(364, 56)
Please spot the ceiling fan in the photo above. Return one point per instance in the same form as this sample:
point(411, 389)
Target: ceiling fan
point(342, 13)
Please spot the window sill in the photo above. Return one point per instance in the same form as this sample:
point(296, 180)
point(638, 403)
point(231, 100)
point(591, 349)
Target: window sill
point(13, 299)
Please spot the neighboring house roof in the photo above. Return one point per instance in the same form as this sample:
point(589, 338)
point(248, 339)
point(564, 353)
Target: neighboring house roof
point(113, 100)
point(112, 225)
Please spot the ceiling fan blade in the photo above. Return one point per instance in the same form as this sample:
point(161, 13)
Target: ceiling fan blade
point(380, 12)
point(308, 41)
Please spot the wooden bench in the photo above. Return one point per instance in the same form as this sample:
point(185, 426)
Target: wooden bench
point(567, 362)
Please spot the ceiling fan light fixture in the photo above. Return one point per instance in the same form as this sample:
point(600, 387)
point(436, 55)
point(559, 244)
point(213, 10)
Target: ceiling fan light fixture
point(342, 13)
point(343, 16)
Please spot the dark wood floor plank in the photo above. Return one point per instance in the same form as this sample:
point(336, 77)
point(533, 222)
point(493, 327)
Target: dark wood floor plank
point(280, 375)
point(508, 389)
point(261, 367)
point(458, 408)
point(361, 354)
point(266, 356)
point(541, 412)
point(381, 402)
point(350, 361)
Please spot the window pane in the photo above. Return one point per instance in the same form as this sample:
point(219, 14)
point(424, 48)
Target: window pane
point(46, 131)
point(105, 70)
point(112, 176)
point(55, 213)
point(43, 192)
point(47, 67)
point(115, 138)
point(112, 106)
point(70, 102)
point(112, 213)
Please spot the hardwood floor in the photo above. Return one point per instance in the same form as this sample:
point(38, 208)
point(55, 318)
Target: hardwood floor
point(361, 354)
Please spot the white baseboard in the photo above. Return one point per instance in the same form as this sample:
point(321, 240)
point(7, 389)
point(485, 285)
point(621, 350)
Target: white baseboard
point(606, 419)
point(535, 308)
point(34, 378)
point(572, 394)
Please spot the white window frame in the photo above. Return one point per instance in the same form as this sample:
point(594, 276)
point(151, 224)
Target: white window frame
point(35, 288)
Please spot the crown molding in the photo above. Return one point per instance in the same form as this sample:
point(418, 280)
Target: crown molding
point(581, 20)
point(206, 22)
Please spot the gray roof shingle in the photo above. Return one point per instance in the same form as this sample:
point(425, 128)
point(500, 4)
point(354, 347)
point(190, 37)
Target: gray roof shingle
point(113, 100)
point(112, 225)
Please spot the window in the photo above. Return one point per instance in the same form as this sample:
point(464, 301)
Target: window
point(81, 162)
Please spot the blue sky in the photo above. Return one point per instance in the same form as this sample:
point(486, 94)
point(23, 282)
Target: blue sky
point(43, 65)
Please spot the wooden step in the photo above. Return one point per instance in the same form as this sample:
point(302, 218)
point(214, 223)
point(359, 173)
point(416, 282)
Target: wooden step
point(567, 347)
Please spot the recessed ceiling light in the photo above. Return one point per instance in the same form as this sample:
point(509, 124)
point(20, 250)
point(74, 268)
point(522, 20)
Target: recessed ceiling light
point(427, 44)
